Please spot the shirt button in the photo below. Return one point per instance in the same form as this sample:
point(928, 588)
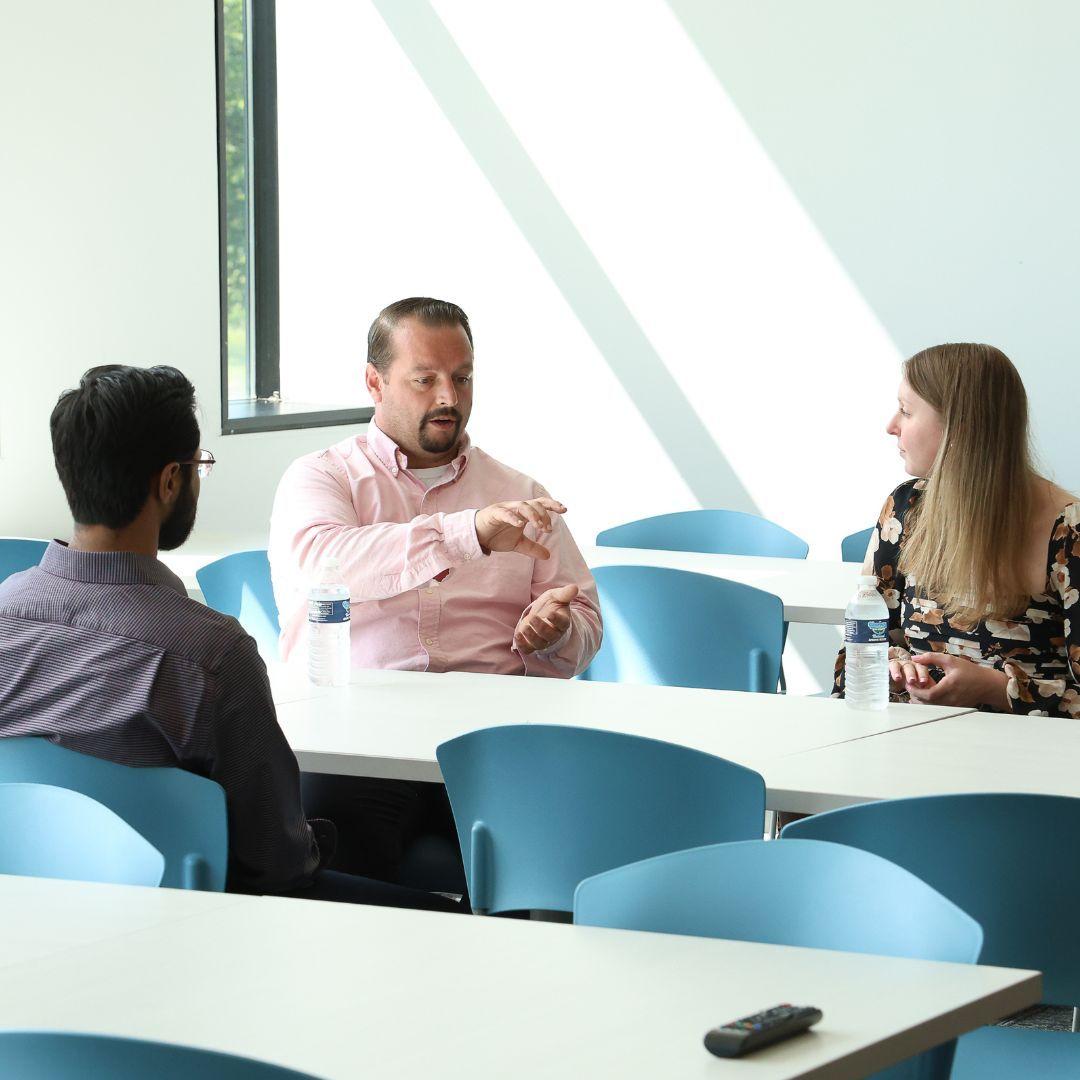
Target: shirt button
point(468, 556)
point(429, 641)
point(394, 470)
point(429, 590)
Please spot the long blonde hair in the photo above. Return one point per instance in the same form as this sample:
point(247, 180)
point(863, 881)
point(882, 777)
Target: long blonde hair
point(965, 534)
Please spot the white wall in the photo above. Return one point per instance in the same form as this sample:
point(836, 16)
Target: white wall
point(109, 249)
point(694, 238)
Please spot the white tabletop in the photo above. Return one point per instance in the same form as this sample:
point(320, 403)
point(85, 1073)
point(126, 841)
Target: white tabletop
point(812, 591)
point(103, 912)
point(388, 723)
point(354, 992)
point(974, 752)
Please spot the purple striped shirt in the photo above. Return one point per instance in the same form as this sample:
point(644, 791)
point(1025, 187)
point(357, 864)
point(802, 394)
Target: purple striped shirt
point(106, 654)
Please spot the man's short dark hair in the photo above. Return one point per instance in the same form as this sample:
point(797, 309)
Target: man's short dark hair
point(422, 308)
point(115, 432)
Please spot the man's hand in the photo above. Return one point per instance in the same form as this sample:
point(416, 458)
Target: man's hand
point(501, 526)
point(964, 683)
point(547, 621)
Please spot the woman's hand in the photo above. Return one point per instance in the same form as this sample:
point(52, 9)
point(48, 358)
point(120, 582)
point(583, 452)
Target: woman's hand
point(964, 683)
point(904, 674)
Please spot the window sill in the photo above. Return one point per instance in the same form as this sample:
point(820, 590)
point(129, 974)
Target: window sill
point(254, 414)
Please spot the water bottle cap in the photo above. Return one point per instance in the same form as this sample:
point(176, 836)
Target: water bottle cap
point(869, 580)
point(330, 563)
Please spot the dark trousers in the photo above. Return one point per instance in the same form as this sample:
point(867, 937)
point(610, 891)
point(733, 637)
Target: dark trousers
point(396, 831)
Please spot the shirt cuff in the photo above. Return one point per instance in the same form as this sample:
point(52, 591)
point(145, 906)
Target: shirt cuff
point(459, 536)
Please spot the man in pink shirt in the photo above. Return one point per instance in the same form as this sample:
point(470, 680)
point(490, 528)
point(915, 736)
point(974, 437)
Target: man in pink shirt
point(454, 561)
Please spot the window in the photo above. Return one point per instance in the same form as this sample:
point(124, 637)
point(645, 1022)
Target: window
point(257, 393)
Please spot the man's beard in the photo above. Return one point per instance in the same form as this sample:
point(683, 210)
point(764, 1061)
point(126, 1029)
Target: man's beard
point(176, 528)
point(435, 440)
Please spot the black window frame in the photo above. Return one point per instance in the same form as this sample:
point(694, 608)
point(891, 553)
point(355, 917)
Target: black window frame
point(265, 411)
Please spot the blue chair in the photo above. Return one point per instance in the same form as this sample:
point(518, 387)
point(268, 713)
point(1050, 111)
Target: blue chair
point(239, 585)
point(717, 532)
point(825, 896)
point(65, 1055)
point(538, 807)
point(181, 814)
point(853, 547)
point(17, 554)
point(673, 628)
point(57, 833)
point(1008, 860)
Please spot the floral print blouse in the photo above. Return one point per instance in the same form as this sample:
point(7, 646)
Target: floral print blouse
point(1039, 650)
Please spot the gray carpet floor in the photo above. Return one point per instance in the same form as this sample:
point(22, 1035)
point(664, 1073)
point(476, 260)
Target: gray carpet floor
point(1044, 1017)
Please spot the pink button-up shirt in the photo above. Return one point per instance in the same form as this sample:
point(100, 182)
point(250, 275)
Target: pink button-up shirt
point(359, 502)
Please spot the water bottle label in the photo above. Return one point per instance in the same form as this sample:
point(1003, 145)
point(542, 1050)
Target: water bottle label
point(328, 611)
point(866, 631)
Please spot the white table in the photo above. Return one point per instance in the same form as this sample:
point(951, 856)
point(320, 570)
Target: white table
point(354, 992)
point(104, 912)
point(388, 723)
point(812, 592)
point(973, 752)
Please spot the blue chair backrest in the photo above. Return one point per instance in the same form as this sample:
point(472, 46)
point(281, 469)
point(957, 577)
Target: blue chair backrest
point(809, 893)
point(239, 585)
point(540, 807)
point(853, 547)
point(1008, 860)
point(673, 628)
point(54, 832)
point(181, 814)
point(717, 532)
point(819, 895)
point(17, 554)
point(66, 1055)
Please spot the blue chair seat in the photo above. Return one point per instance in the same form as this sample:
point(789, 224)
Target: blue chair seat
point(54, 832)
point(65, 1055)
point(240, 585)
point(1012, 1053)
point(540, 807)
point(181, 814)
point(17, 554)
point(674, 628)
point(853, 547)
point(823, 896)
point(716, 532)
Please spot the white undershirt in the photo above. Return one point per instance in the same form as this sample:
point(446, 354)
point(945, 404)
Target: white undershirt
point(430, 477)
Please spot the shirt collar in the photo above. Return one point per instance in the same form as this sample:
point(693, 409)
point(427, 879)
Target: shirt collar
point(394, 458)
point(108, 567)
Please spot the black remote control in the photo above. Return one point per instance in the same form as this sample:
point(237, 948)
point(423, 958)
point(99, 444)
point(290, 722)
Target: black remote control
point(761, 1029)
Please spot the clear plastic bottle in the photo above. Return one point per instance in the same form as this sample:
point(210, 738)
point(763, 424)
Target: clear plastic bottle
point(866, 643)
point(328, 627)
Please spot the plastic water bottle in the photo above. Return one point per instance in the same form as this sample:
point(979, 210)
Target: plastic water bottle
point(328, 627)
point(866, 642)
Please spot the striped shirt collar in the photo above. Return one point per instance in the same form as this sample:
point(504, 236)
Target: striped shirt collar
point(108, 567)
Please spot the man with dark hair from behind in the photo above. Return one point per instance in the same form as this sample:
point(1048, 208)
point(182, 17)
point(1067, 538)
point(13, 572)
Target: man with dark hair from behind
point(102, 650)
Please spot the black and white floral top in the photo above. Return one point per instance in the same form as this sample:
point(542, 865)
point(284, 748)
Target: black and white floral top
point(1039, 650)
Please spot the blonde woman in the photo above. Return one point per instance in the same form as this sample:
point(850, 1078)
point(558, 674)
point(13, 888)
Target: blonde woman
point(978, 558)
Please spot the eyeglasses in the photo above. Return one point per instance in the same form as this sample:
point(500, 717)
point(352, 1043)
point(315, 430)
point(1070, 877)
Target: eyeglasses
point(203, 461)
